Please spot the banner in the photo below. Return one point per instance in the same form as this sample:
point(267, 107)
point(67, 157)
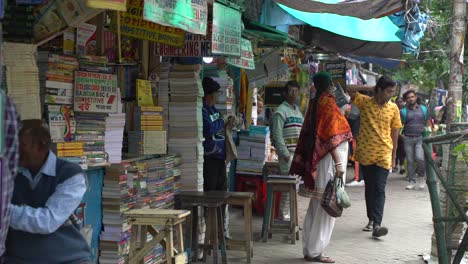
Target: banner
point(337, 70)
point(227, 30)
point(95, 92)
point(133, 25)
point(118, 5)
point(246, 59)
point(194, 46)
point(189, 15)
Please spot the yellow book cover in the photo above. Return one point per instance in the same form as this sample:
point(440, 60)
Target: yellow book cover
point(152, 109)
point(69, 145)
point(151, 123)
point(152, 128)
point(70, 153)
point(151, 117)
point(144, 94)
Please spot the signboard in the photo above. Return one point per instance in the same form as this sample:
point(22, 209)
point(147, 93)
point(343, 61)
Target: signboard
point(133, 25)
point(227, 30)
point(246, 60)
point(95, 92)
point(189, 15)
point(337, 70)
point(118, 5)
point(194, 46)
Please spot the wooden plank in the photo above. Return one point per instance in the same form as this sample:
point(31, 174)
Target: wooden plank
point(149, 246)
point(157, 213)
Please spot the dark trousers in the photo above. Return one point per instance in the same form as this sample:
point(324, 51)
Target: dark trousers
point(376, 180)
point(401, 154)
point(214, 175)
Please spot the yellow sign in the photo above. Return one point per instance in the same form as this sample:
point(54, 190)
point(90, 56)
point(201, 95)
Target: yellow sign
point(118, 5)
point(133, 25)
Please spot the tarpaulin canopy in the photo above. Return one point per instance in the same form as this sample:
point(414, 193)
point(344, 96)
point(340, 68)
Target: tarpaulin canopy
point(364, 9)
point(377, 29)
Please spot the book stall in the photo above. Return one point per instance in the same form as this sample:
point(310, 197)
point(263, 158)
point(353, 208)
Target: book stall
point(120, 86)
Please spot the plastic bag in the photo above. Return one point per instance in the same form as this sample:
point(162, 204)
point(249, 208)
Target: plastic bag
point(342, 197)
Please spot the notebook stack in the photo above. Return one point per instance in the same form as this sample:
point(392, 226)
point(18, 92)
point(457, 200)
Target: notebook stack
point(186, 123)
point(149, 136)
point(162, 73)
point(22, 75)
point(115, 124)
point(73, 152)
point(91, 128)
point(253, 150)
point(118, 197)
point(59, 83)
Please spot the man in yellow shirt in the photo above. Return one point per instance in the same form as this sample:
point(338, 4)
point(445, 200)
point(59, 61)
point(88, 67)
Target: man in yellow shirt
point(377, 145)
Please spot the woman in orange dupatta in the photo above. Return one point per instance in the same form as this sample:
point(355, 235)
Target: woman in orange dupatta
point(321, 153)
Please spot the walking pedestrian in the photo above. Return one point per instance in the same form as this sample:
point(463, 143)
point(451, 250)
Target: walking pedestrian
point(415, 119)
point(377, 145)
point(286, 127)
point(321, 155)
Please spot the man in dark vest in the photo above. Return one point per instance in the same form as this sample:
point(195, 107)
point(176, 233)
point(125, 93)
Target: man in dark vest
point(47, 190)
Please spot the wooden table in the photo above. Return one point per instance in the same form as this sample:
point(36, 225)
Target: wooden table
point(146, 219)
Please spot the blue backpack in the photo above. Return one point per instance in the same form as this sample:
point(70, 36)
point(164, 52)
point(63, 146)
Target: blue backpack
point(404, 113)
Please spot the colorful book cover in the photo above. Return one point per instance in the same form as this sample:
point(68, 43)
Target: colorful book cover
point(86, 39)
point(144, 94)
point(62, 123)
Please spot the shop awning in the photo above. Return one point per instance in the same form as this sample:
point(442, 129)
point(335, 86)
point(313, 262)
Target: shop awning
point(363, 9)
point(267, 36)
point(345, 45)
point(377, 29)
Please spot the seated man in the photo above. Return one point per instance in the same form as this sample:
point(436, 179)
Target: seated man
point(43, 229)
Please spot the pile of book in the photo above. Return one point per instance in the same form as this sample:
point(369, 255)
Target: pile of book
point(115, 124)
point(186, 123)
point(163, 90)
point(118, 196)
point(91, 128)
point(59, 83)
point(73, 152)
point(148, 136)
point(22, 77)
point(253, 150)
point(95, 64)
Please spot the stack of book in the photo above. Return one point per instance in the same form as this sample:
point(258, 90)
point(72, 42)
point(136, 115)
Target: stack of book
point(91, 128)
point(186, 123)
point(59, 83)
point(163, 90)
point(118, 197)
point(253, 150)
point(149, 136)
point(22, 77)
point(95, 64)
point(126, 76)
point(115, 124)
point(73, 152)
point(43, 65)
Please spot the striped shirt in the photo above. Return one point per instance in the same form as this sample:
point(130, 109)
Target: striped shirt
point(10, 159)
point(287, 125)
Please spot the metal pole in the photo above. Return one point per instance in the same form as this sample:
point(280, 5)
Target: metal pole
point(439, 225)
point(455, 89)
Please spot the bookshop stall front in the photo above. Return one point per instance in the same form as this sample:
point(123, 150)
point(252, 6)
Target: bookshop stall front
point(122, 96)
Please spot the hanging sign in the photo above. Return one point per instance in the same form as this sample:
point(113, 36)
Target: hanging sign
point(189, 15)
point(194, 46)
point(246, 60)
point(337, 70)
point(227, 30)
point(118, 5)
point(95, 92)
point(133, 25)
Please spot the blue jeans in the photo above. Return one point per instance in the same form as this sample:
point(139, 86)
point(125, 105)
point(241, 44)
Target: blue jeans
point(376, 180)
point(415, 156)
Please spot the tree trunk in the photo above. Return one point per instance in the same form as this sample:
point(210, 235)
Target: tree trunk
point(455, 89)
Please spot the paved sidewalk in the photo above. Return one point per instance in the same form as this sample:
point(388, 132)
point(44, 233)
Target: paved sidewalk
point(407, 215)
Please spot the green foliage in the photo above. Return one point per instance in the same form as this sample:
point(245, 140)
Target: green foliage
point(461, 151)
point(432, 67)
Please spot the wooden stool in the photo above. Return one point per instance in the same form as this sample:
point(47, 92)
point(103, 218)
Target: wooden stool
point(213, 201)
point(243, 199)
point(169, 220)
point(285, 186)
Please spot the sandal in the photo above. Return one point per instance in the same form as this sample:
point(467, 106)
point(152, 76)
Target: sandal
point(320, 258)
point(369, 227)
